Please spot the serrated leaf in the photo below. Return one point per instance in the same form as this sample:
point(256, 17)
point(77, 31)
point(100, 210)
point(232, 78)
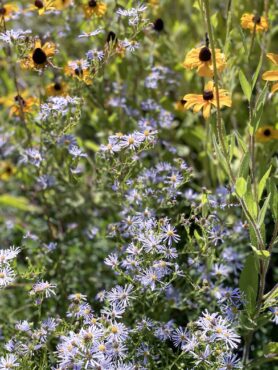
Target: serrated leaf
point(241, 186)
point(246, 88)
point(248, 282)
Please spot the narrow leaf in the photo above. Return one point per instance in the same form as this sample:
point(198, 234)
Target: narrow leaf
point(246, 88)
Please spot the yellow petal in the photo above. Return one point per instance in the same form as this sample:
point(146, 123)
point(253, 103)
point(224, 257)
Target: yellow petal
point(274, 88)
point(270, 76)
point(273, 57)
point(206, 111)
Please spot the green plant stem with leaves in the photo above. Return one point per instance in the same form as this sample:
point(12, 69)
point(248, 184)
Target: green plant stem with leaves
point(263, 265)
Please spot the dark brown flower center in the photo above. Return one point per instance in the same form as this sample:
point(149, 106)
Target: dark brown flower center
point(78, 71)
point(39, 56)
point(39, 4)
point(267, 132)
point(182, 101)
point(19, 99)
point(207, 95)
point(57, 86)
point(111, 36)
point(205, 54)
point(3, 10)
point(92, 3)
point(158, 25)
point(256, 19)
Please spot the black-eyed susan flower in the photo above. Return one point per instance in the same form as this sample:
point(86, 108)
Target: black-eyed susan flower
point(201, 58)
point(7, 10)
point(179, 105)
point(6, 170)
point(79, 69)
point(94, 7)
point(38, 58)
point(20, 104)
point(266, 134)
point(251, 22)
point(42, 6)
point(206, 100)
point(272, 75)
point(57, 88)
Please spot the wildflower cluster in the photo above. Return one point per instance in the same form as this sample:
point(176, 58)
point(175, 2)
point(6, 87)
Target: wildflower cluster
point(138, 175)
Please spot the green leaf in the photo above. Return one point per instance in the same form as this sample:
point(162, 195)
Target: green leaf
point(250, 201)
point(220, 155)
point(91, 145)
point(241, 186)
point(272, 188)
point(261, 254)
point(270, 349)
point(263, 210)
point(246, 88)
point(248, 282)
point(244, 165)
point(256, 74)
point(262, 183)
point(20, 203)
point(259, 108)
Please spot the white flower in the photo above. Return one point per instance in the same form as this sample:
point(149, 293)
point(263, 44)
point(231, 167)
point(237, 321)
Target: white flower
point(7, 276)
point(92, 33)
point(8, 254)
point(8, 362)
point(13, 35)
point(43, 287)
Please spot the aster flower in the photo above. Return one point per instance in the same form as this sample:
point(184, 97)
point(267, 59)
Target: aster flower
point(251, 22)
point(8, 254)
point(201, 58)
point(11, 36)
point(120, 295)
point(8, 362)
point(38, 58)
point(169, 234)
point(274, 310)
point(44, 288)
point(266, 133)
point(207, 100)
point(7, 276)
point(229, 362)
point(94, 7)
point(179, 337)
point(272, 75)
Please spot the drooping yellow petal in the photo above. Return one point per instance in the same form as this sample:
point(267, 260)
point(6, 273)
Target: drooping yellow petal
point(274, 88)
point(206, 110)
point(270, 76)
point(273, 57)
